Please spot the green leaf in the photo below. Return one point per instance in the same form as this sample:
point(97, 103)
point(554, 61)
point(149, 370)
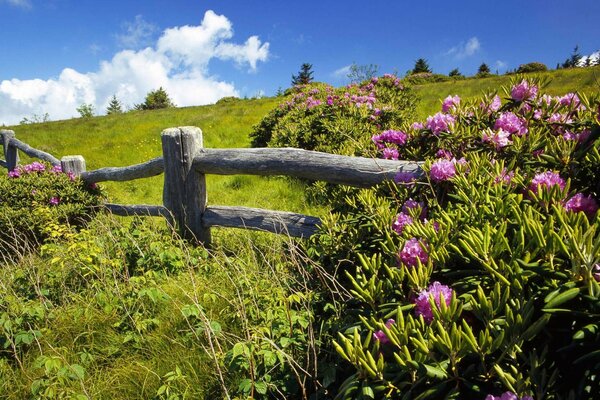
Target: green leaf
point(562, 298)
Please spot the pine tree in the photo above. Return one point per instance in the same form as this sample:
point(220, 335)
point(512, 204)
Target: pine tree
point(483, 70)
point(573, 61)
point(114, 106)
point(304, 76)
point(421, 66)
point(455, 73)
point(156, 99)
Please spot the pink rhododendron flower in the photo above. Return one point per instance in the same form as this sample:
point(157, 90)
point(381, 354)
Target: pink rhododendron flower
point(380, 335)
point(507, 396)
point(34, 167)
point(510, 122)
point(499, 139)
point(546, 180)
point(441, 153)
point(390, 136)
point(422, 304)
point(523, 91)
point(450, 103)
point(412, 252)
point(596, 272)
point(504, 177)
point(405, 177)
point(442, 170)
point(401, 221)
point(494, 105)
point(54, 201)
point(417, 126)
point(15, 173)
point(390, 154)
point(570, 100)
point(440, 122)
point(581, 202)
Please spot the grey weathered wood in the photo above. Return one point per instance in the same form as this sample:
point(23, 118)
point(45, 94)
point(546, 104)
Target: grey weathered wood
point(184, 192)
point(3, 164)
point(137, 209)
point(35, 153)
point(313, 165)
point(296, 225)
point(137, 171)
point(11, 154)
point(73, 164)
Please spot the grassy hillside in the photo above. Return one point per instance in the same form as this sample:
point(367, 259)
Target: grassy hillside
point(120, 140)
point(582, 80)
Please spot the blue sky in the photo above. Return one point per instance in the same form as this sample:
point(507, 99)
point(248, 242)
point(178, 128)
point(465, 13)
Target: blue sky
point(59, 54)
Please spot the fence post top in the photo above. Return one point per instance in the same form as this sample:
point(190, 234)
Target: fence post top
point(182, 130)
point(71, 158)
point(7, 132)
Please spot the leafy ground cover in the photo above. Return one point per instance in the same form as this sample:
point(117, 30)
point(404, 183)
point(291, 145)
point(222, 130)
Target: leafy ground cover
point(478, 282)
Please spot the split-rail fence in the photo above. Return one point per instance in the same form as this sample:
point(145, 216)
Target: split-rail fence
point(185, 163)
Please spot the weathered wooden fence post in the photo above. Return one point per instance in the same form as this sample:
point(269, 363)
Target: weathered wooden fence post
point(11, 154)
point(184, 193)
point(73, 164)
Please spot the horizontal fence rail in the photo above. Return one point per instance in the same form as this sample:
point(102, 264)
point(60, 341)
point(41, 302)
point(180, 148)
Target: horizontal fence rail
point(185, 162)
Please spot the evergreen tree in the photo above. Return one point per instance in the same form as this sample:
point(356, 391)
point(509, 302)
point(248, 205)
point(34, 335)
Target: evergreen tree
point(455, 73)
point(421, 66)
point(483, 70)
point(114, 106)
point(156, 99)
point(304, 76)
point(573, 61)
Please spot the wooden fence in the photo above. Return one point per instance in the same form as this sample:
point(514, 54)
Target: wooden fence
point(185, 162)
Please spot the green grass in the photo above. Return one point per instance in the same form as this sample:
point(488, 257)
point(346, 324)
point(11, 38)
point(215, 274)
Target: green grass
point(121, 140)
point(582, 80)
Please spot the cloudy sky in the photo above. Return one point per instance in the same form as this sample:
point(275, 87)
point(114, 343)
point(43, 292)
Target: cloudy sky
point(59, 54)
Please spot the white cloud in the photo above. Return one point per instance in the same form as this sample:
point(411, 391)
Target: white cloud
point(464, 50)
point(178, 62)
point(19, 3)
point(138, 33)
point(594, 59)
point(500, 65)
point(341, 73)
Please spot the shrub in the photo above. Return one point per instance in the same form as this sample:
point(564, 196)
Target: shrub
point(227, 99)
point(86, 110)
point(532, 67)
point(35, 197)
point(484, 278)
point(425, 77)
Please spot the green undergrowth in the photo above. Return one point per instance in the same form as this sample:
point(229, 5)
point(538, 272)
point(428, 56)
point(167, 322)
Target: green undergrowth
point(122, 312)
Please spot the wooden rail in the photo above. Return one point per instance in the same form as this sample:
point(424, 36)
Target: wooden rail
point(185, 162)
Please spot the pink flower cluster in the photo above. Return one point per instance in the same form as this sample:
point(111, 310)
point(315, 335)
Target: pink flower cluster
point(440, 122)
point(494, 105)
point(499, 139)
point(507, 396)
point(523, 91)
point(413, 252)
point(401, 221)
point(312, 103)
point(510, 122)
point(390, 136)
point(436, 290)
point(442, 170)
point(404, 218)
point(450, 103)
point(504, 177)
point(583, 203)
point(546, 180)
point(380, 335)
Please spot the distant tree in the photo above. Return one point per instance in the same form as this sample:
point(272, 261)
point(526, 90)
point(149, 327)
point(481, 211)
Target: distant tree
point(455, 73)
point(421, 66)
point(573, 61)
point(532, 67)
point(155, 100)
point(483, 71)
point(35, 119)
point(361, 73)
point(114, 106)
point(304, 76)
point(86, 110)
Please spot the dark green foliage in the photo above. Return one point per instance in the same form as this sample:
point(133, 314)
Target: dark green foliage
point(455, 73)
point(532, 67)
point(421, 66)
point(114, 106)
point(483, 71)
point(228, 99)
point(425, 77)
point(86, 110)
point(305, 76)
point(156, 99)
point(573, 60)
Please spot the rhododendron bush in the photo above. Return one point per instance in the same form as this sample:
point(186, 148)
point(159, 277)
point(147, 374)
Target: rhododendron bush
point(36, 196)
point(482, 280)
